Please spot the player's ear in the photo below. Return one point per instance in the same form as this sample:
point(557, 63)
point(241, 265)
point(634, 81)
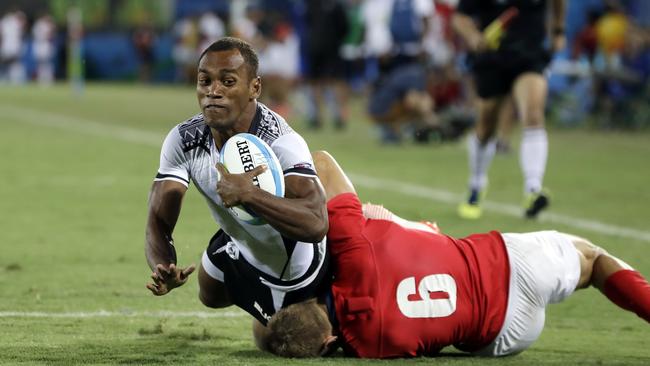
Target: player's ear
point(329, 346)
point(255, 88)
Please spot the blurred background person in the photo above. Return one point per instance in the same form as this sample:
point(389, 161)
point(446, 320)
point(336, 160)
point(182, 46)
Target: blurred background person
point(186, 40)
point(210, 28)
point(144, 38)
point(398, 94)
point(352, 50)
point(246, 20)
point(279, 56)
point(44, 48)
point(450, 90)
point(511, 64)
point(326, 27)
point(12, 46)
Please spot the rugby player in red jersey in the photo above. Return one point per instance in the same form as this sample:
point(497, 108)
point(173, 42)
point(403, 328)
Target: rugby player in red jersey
point(405, 292)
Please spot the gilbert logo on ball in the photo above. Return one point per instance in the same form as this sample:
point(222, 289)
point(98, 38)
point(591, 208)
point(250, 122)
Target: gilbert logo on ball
point(243, 153)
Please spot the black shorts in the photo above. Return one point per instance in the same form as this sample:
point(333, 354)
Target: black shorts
point(495, 73)
point(255, 291)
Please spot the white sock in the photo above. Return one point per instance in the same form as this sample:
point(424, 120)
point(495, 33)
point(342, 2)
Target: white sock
point(533, 154)
point(480, 158)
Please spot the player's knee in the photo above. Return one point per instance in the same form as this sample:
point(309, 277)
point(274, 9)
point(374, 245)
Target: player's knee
point(212, 301)
point(588, 253)
point(212, 293)
point(588, 249)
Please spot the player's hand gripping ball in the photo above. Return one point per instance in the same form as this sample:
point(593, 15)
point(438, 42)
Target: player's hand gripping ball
point(244, 152)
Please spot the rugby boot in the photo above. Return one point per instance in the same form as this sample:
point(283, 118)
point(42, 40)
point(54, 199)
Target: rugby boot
point(534, 203)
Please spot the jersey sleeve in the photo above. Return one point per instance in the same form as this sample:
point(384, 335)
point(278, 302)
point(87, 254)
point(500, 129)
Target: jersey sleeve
point(294, 156)
point(173, 162)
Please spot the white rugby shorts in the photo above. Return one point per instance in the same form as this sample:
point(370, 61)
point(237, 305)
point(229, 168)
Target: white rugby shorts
point(544, 269)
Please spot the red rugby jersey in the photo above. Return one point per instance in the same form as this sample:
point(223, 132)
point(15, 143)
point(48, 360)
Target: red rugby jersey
point(401, 292)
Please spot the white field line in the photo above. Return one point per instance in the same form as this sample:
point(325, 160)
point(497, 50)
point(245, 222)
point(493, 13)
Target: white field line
point(123, 314)
point(148, 138)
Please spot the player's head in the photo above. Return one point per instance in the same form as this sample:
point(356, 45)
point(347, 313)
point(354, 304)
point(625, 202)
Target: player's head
point(227, 82)
point(299, 330)
point(244, 48)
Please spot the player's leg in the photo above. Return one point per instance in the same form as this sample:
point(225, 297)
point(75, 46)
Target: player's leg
point(506, 124)
point(529, 93)
point(619, 282)
point(212, 293)
point(331, 175)
point(212, 290)
point(481, 147)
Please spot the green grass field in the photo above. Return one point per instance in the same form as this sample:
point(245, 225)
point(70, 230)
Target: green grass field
point(76, 172)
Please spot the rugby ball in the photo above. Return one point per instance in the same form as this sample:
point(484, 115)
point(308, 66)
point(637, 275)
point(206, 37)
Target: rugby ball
point(244, 152)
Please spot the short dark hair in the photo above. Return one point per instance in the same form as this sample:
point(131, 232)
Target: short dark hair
point(244, 48)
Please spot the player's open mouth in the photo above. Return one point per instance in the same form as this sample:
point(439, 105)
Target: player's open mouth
point(214, 107)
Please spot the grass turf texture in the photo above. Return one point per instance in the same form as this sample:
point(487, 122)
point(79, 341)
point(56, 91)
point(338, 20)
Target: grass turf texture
point(76, 174)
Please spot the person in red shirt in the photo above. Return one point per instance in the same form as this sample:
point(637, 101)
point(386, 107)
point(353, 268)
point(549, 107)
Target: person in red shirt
point(404, 291)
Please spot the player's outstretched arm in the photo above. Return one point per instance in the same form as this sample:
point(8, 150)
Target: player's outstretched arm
point(165, 201)
point(301, 214)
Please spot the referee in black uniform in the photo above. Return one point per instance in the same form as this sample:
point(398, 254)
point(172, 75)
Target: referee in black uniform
point(510, 67)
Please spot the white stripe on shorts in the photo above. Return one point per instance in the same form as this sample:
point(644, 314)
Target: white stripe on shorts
point(210, 268)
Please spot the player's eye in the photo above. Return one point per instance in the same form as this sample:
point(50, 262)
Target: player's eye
point(229, 82)
point(204, 81)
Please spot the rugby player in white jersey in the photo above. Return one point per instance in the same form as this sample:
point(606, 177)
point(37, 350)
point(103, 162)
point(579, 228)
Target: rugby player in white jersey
point(260, 268)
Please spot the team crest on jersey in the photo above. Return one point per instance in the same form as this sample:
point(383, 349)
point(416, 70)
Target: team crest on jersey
point(195, 133)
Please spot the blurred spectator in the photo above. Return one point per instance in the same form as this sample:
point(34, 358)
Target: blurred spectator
point(610, 33)
point(622, 89)
point(186, 39)
point(327, 26)
point(399, 94)
point(453, 96)
point(211, 28)
point(246, 26)
point(279, 56)
point(352, 50)
point(409, 22)
point(438, 39)
point(144, 38)
point(586, 42)
point(44, 48)
point(12, 32)
point(377, 40)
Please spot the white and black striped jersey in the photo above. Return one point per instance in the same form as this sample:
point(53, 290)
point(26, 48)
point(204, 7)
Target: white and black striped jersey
point(278, 264)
